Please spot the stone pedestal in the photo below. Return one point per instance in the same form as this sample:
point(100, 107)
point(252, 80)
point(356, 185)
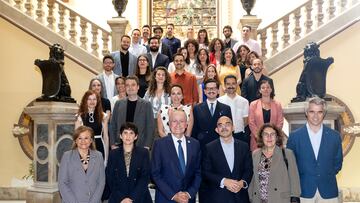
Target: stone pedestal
point(53, 128)
point(295, 114)
point(118, 27)
point(253, 21)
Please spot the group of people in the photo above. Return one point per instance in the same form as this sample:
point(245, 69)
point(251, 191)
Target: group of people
point(208, 117)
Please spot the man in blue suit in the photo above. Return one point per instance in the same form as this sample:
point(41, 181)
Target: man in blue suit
point(175, 165)
point(155, 57)
point(318, 153)
point(227, 166)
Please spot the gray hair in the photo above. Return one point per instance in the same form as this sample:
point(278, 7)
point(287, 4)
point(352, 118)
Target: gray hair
point(318, 101)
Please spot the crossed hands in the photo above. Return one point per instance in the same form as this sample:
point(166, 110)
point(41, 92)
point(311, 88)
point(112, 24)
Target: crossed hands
point(233, 185)
point(181, 197)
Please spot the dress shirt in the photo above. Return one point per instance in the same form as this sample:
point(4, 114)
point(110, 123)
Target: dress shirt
point(189, 85)
point(183, 145)
point(252, 44)
point(315, 139)
point(228, 149)
point(209, 105)
point(137, 49)
point(153, 58)
point(109, 85)
point(239, 110)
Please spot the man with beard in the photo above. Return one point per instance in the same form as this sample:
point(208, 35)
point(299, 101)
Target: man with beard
point(239, 109)
point(146, 33)
point(173, 42)
point(163, 48)
point(229, 42)
point(155, 57)
point(107, 78)
point(125, 62)
point(228, 178)
point(250, 86)
point(206, 115)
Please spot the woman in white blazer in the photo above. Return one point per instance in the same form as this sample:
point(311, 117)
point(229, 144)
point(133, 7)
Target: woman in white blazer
point(81, 173)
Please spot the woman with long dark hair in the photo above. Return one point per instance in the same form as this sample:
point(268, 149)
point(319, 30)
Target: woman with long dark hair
point(143, 72)
point(228, 66)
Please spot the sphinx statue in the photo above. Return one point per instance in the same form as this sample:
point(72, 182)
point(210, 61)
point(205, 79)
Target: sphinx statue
point(312, 80)
point(55, 85)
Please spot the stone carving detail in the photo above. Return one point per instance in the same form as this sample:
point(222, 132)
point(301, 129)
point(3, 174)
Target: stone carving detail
point(248, 5)
point(55, 83)
point(313, 77)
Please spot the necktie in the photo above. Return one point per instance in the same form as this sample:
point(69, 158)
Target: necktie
point(181, 157)
point(212, 109)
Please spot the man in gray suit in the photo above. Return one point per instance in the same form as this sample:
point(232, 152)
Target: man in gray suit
point(107, 78)
point(229, 42)
point(133, 109)
point(125, 62)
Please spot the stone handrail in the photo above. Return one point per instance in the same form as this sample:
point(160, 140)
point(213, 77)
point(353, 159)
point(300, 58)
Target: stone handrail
point(63, 20)
point(279, 31)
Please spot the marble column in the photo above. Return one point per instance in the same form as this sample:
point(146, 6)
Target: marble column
point(53, 128)
point(118, 27)
point(253, 21)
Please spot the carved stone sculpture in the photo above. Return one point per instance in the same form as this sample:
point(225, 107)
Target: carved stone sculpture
point(55, 83)
point(248, 5)
point(120, 6)
point(313, 77)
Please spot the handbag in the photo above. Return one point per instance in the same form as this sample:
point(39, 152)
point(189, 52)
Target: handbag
point(292, 199)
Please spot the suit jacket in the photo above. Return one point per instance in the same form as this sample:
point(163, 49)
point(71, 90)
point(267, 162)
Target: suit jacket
point(256, 119)
point(103, 88)
point(134, 186)
point(317, 173)
point(161, 60)
point(143, 119)
point(166, 171)
point(215, 168)
point(132, 63)
point(232, 43)
point(283, 183)
point(77, 186)
point(205, 124)
point(165, 49)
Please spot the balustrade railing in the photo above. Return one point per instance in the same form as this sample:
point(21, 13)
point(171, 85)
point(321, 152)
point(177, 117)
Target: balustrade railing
point(288, 29)
point(71, 25)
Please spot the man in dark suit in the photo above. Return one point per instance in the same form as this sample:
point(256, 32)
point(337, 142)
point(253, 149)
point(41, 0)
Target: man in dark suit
point(155, 57)
point(175, 165)
point(227, 166)
point(164, 48)
point(318, 153)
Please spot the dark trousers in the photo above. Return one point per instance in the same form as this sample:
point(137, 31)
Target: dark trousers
point(244, 136)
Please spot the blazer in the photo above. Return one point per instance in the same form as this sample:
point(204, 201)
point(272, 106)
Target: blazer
point(132, 63)
point(256, 119)
point(143, 119)
point(317, 173)
point(103, 88)
point(161, 60)
point(232, 43)
point(205, 124)
point(215, 168)
point(166, 171)
point(165, 49)
point(134, 186)
point(283, 183)
point(77, 186)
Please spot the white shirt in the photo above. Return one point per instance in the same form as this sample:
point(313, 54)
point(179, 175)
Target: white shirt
point(209, 104)
point(183, 145)
point(153, 57)
point(137, 49)
point(315, 139)
point(252, 44)
point(109, 85)
point(239, 110)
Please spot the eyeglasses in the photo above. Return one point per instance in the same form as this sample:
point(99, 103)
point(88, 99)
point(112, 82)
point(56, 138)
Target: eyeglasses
point(269, 135)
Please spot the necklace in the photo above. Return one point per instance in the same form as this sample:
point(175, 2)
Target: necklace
point(91, 117)
point(85, 161)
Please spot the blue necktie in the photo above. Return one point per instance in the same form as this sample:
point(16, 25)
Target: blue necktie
point(212, 109)
point(181, 157)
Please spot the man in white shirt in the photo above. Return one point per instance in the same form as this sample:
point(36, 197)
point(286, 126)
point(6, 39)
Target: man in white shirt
point(146, 33)
point(135, 47)
point(252, 44)
point(239, 108)
point(107, 78)
point(155, 57)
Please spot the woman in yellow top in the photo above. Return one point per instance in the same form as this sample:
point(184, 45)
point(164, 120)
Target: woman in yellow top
point(228, 66)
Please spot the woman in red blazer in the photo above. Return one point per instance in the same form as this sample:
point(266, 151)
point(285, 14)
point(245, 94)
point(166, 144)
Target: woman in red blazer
point(264, 110)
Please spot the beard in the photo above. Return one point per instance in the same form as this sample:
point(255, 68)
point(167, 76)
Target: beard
point(125, 48)
point(154, 49)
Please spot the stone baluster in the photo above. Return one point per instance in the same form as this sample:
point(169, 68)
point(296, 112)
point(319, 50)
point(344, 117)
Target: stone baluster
point(105, 39)
point(72, 30)
point(83, 37)
point(297, 29)
point(286, 36)
point(94, 44)
point(50, 17)
point(18, 4)
point(331, 9)
point(308, 22)
point(263, 44)
point(61, 24)
point(320, 15)
point(343, 5)
point(39, 11)
point(274, 43)
point(29, 8)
